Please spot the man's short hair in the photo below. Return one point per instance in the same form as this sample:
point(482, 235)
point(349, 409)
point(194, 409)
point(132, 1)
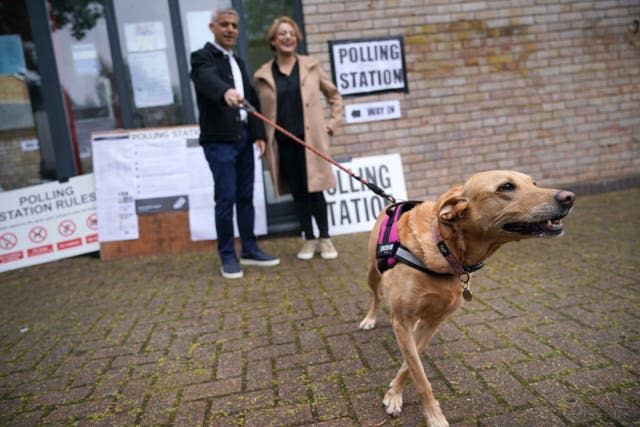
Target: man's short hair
point(224, 11)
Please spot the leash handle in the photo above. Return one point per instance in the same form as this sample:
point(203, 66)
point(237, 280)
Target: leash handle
point(246, 105)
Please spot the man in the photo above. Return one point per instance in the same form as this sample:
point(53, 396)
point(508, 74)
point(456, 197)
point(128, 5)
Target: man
point(226, 135)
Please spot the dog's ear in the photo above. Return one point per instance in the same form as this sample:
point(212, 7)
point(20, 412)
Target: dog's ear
point(451, 207)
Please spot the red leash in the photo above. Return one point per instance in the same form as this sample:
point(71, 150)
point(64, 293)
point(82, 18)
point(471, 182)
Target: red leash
point(373, 187)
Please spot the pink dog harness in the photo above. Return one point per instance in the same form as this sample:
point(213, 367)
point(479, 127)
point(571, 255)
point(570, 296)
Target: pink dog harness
point(390, 251)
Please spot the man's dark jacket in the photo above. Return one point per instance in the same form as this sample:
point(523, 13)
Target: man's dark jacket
point(212, 77)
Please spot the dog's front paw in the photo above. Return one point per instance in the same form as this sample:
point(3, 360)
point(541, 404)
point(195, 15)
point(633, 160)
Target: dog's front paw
point(435, 417)
point(367, 323)
point(392, 402)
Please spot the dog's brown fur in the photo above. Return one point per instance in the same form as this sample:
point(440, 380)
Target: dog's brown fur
point(470, 218)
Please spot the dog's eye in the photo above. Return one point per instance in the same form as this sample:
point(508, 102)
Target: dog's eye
point(507, 187)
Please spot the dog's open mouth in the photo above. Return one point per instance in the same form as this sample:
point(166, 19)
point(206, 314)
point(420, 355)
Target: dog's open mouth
point(548, 228)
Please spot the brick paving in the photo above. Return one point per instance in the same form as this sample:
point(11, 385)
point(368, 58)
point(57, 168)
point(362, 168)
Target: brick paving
point(550, 339)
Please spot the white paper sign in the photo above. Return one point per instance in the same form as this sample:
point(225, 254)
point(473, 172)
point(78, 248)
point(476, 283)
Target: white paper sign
point(368, 66)
point(85, 59)
point(144, 36)
point(155, 163)
point(30, 145)
point(372, 111)
point(150, 78)
point(114, 170)
point(352, 206)
point(47, 222)
point(159, 166)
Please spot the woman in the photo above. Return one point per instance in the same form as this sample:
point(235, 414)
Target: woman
point(289, 88)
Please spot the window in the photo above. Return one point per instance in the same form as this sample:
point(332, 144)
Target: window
point(148, 51)
point(85, 68)
point(25, 145)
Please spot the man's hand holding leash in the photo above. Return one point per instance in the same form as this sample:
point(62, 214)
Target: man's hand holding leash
point(234, 99)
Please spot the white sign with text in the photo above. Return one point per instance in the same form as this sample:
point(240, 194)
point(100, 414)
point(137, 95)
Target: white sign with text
point(48, 222)
point(146, 171)
point(352, 206)
point(372, 111)
point(368, 66)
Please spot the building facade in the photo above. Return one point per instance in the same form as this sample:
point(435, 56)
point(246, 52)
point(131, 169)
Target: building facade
point(545, 87)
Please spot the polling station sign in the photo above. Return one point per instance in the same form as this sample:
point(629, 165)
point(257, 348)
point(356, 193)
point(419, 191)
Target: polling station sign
point(48, 222)
point(352, 207)
point(368, 66)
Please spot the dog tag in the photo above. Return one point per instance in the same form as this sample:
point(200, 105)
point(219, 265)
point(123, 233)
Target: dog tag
point(466, 294)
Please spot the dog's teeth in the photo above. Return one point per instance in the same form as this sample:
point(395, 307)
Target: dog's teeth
point(553, 224)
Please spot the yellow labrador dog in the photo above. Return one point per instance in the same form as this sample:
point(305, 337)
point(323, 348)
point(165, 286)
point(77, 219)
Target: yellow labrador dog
point(440, 244)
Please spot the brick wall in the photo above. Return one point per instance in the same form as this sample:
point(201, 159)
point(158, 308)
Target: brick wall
point(545, 87)
point(19, 168)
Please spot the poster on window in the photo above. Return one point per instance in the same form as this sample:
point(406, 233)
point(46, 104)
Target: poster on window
point(145, 36)
point(150, 79)
point(85, 59)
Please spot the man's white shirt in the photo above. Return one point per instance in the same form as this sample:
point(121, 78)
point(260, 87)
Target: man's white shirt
point(237, 76)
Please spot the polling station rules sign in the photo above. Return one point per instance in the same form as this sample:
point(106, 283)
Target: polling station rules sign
point(367, 66)
point(48, 222)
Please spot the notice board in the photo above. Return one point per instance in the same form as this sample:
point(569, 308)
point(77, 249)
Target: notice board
point(154, 192)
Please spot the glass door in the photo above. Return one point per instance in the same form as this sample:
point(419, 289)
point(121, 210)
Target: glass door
point(83, 59)
point(148, 51)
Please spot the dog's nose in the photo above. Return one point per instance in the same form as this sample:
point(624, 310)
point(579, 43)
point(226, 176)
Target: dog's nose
point(565, 198)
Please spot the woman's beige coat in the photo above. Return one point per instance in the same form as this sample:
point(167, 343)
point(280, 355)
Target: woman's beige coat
point(313, 81)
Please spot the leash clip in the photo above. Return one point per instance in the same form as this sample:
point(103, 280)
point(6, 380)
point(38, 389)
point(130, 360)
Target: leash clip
point(246, 105)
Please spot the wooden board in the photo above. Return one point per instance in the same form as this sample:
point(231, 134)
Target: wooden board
point(160, 233)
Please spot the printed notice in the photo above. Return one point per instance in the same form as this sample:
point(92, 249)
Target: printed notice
point(47, 222)
point(85, 59)
point(150, 171)
point(159, 167)
point(144, 36)
point(114, 169)
point(150, 79)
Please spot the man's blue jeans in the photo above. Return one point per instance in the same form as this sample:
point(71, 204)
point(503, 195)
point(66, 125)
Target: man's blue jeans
point(233, 172)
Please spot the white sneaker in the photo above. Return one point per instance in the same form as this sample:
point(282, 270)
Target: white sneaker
point(327, 250)
point(308, 250)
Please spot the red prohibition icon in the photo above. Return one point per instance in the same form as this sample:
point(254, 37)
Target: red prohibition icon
point(38, 234)
point(92, 221)
point(66, 228)
point(8, 241)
